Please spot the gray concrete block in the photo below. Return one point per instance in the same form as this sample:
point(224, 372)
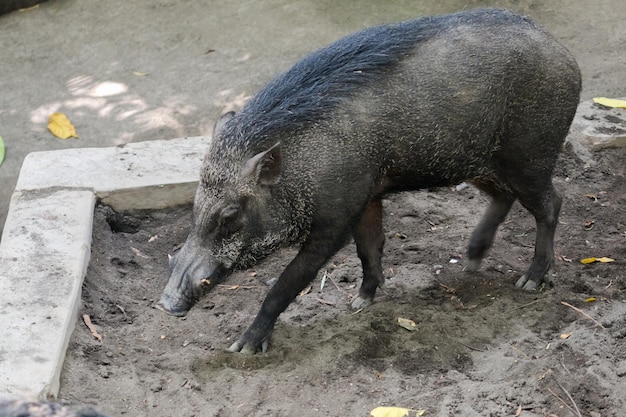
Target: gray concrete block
point(152, 174)
point(44, 255)
point(597, 127)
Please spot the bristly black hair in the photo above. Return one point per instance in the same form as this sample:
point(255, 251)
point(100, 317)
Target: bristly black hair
point(316, 84)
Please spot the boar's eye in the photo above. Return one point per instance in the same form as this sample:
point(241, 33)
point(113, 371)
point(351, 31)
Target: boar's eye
point(228, 218)
point(230, 212)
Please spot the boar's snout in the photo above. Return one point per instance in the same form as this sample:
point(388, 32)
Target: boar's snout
point(190, 278)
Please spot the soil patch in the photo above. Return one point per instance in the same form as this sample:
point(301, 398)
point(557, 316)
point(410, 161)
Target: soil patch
point(482, 347)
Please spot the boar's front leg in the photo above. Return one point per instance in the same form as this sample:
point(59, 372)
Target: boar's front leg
point(314, 253)
point(370, 239)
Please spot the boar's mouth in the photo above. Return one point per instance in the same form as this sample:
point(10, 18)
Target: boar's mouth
point(183, 292)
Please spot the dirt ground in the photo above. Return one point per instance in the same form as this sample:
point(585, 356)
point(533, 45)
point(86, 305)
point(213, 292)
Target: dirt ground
point(481, 347)
point(137, 70)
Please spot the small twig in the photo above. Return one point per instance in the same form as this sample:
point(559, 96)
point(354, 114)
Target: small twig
point(563, 401)
point(328, 303)
point(122, 310)
point(583, 313)
point(564, 367)
point(336, 286)
point(448, 289)
point(522, 352)
point(471, 347)
point(236, 287)
point(570, 398)
point(91, 327)
point(523, 306)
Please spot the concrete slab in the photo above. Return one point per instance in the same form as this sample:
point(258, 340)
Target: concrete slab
point(45, 246)
point(597, 127)
point(153, 174)
point(43, 256)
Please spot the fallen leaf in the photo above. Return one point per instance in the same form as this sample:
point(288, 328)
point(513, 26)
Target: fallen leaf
point(610, 102)
point(605, 260)
point(592, 260)
point(590, 300)
point(1, 150)
point(140, 74)
point(138, 253)
point(306, 291)
point(519, 411)
point(91, 327)
point(394, 412)
point(564, 336)
point(153, 238)
point(61, 127)
point(591, 196)
point(252, 273)
point(407, 324)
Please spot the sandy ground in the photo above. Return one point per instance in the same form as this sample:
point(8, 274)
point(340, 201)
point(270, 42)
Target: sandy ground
point(126, 71)
point(130, 71)
point(481, 348)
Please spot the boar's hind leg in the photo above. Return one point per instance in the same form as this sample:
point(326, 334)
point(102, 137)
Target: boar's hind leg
point(546, 210)
point(369, 238)
point(320, 246)
point(483, 235)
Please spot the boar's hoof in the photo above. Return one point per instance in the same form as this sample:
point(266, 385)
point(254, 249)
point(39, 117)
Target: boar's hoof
point(528, 284)
point(249, 348)
point(473, 265)
point(361, 302)
point(177, 313)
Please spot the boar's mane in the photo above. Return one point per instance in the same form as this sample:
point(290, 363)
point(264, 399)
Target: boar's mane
point(318, 83)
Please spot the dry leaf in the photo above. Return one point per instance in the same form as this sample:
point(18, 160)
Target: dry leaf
point(564, 336)
point(591, 196)
point(394, 412)
point(91, 327)
point(61, 127)
point(605, 260)
point(592, 260)
point(519, 411)
point(306, 290)
point(590, 300)
point(407, 324)
point(140, 74)
point(610, 102)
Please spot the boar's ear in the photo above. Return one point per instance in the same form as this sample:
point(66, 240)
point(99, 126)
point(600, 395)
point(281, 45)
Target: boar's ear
point(265, 166)
point(221, 122)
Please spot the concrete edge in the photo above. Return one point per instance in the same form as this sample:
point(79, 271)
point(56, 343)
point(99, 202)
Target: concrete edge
point(50, 220)
point(40, 301)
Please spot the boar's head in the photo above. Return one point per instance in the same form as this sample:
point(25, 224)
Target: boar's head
point(236, 222)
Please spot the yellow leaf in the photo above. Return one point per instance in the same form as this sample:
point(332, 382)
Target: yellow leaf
point(394, 412)
point(140, 74)
point(407, 324)
point(592, 260)
point(610, 102)
point(61, 127)
point(565, 335)
point(390, 412)
point(590, 300)
point(605, 260)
